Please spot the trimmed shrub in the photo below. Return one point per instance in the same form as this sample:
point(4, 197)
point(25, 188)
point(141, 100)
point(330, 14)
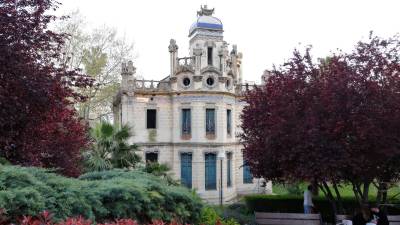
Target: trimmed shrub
point(98, 196)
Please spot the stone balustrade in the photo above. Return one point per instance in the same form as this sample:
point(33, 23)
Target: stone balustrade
point(152, 85)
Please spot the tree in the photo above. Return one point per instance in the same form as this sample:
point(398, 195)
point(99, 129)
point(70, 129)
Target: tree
point(99, 52)
point(38, 125)
point(332, 121)
point(110, 148)
point(160, 170)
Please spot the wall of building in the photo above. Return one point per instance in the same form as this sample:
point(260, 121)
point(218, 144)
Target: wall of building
point(169, 144)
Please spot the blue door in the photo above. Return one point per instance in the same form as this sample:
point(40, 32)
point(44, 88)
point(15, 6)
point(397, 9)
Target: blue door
point(210, 171)
point(186, 169)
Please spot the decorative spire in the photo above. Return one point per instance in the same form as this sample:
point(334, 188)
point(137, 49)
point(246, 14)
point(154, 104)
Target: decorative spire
point(173, 47)
point(128, 69)
point(204, 11)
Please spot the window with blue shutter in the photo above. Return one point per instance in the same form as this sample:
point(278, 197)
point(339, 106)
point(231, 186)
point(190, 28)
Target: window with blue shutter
point(229, 121)
point(229, 169)
point(210, 171)
point(186, 169)
point(186, 122)
point(210, 121)
point(247, 176)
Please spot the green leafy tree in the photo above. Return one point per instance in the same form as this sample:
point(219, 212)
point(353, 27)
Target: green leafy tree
point(99, 52)
point(110, 148)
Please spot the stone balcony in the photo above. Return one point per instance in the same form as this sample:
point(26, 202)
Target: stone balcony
point(165, 86)
point(185, 64)
point(152, 85)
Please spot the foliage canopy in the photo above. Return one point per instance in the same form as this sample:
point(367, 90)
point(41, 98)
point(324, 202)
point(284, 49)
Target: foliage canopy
point(335, 120)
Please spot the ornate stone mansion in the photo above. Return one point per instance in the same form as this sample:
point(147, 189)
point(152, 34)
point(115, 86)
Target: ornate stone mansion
point(190, 119)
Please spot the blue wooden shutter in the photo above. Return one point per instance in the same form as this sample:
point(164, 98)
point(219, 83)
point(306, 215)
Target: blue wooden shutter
point(186, 169)
point(186, 121)
point(210, 121)
point(210, 171)
point(229, 121)
point(247, 176)
point(229, 169)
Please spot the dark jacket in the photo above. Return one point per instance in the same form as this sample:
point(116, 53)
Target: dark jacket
point(382, 218)
point(358, 219)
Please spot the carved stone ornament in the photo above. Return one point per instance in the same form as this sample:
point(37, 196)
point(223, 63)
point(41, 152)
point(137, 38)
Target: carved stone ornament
point(197, 78)
point(222, 79)
point(128, 69)
point(173, 47)
point(204, 11)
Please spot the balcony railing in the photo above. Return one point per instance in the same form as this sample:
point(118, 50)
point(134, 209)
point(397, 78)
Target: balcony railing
point(185, 64)
point(243, 88)
point(152, 85)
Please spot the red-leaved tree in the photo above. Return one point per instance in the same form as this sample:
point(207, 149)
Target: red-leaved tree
point(38, 124)
point(331, 121)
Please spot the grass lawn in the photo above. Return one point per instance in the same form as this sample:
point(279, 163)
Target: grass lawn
point(345, 190)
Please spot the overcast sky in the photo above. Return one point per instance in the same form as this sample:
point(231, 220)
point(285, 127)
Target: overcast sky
point(265, 31)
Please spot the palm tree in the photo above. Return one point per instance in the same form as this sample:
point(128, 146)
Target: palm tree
point(110, 148)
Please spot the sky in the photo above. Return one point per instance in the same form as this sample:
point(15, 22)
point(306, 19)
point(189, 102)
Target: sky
point(265, 31)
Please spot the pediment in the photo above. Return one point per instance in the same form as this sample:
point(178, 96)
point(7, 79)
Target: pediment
point(211, 69)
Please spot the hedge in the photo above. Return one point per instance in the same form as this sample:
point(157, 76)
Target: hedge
point(98, 196)
point(294, 204)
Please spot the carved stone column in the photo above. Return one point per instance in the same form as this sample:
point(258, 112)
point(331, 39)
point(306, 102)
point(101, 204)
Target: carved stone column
point(239, 66)
point(224, 58)
point(234, 63)
point(127, 74)
point(197, 52)
point(173, 50)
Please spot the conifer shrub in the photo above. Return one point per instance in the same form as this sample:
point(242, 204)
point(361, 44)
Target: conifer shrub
point(98, 196)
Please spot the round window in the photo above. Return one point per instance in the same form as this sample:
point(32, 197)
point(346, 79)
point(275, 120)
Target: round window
point(210, 81)
point(186, 81)
point(228, 84)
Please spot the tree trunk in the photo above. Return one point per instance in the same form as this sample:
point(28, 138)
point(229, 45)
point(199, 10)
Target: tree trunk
point(339, 198)
point(357, 192)
point(328, 193)
point(365, 192)
point(381, 196)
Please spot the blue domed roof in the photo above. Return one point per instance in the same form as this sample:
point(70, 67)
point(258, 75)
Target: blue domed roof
point(205, 20)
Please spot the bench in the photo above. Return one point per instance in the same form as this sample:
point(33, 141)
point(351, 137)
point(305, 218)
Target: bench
point(287, 219)
point(393, 220)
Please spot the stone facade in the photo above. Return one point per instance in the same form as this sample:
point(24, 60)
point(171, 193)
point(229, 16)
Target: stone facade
point(210, 79)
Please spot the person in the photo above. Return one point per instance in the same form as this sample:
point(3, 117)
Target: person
point(308, 204)
point(362, 216)
point(372, 215)
point(379, 216)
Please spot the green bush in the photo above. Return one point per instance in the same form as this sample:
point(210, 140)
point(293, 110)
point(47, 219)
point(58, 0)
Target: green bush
point(238, 212)
point(209, 216)
point(98, 196)
point(294, 204)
